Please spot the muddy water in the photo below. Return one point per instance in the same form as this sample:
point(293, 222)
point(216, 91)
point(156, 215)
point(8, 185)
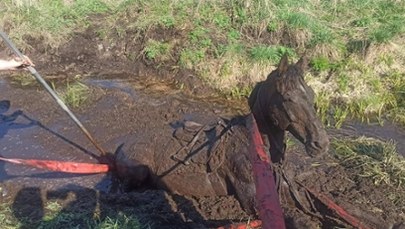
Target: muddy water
point(116, 113)
point(56, 139)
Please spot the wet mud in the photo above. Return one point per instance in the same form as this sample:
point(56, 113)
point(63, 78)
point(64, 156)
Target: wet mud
point(117, 113)
point(132, 113)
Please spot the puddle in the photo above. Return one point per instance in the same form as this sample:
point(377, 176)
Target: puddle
point(58, 139)
point(388, 131)
point(120, 113)
point(121, 85)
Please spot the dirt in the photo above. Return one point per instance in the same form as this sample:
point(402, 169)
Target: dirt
point(129, 102)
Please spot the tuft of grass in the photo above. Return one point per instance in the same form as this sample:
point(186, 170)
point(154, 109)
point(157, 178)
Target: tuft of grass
point(191, 57)
point(269, 54)
point(339, 115)
point(156, 50)
point(53, 206)
point(75, 94)
point(298, 20)
point(122, 221)
point(23, 79)
point(375, 159)
point(396, 81)
point(320, 63)
point(322, 105)
point(343, 82)
point(7, 221)
point(240, 93)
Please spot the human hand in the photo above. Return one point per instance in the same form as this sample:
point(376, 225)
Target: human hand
point(23, 62)
point(16, 63)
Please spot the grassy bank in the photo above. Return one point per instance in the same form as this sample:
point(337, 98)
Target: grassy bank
point(356, 47)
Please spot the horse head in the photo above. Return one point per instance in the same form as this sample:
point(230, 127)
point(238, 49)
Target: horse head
point(284, 102)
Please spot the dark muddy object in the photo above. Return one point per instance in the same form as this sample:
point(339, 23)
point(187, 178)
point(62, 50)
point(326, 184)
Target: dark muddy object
point(212, 159)
point(284, 102)
point(194, 159)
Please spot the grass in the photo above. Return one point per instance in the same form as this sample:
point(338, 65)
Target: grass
point(49, 20)
point(374, 159)
point(122, 221)
point(75, 94)
point(159, 51)
point(269, 54)
point(355, 46)
point(6, 220)
point(23, 79)
point(355, 90)
point(54, 217)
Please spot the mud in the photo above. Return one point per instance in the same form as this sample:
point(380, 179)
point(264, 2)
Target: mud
point(130, 113)
point(117, 112)
point(130, 101)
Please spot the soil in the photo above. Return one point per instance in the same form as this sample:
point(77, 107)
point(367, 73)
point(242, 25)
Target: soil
point(127, 98)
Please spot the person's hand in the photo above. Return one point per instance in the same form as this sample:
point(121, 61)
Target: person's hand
point(16, 63)
point(23, 62)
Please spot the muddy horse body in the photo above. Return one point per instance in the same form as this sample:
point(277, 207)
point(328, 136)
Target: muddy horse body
point(196, 159)
point(199, 158)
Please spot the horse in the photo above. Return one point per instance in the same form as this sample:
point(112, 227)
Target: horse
point(208, 155)
point(284, 102)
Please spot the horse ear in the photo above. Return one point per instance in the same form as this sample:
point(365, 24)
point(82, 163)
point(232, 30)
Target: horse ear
point(302, 63)
point(283, 65)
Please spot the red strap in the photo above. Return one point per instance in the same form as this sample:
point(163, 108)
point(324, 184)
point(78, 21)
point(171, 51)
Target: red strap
point(268, 204)
point(338, 209)
point(61, 166)
point(251, 224)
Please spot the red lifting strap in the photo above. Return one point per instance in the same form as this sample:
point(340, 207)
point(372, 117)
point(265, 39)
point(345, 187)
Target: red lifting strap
point(268, 204)
point(61, 166)
point(249, 225)
point(338, 209)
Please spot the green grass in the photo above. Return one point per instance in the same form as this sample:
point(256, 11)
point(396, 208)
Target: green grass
point(155, 50)
point(122, 221)
point(355, 46)
point(320, 63)
point(269, 54)
point(75, 94)
point(23, 79)
point(79, 218)
point(6, 220)
point(191, 57)
point(355, 90)
point(374, 159)
point(49, 20)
